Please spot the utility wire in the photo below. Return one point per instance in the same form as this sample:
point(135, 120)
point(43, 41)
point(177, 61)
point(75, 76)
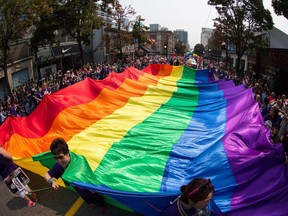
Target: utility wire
point(208, 16)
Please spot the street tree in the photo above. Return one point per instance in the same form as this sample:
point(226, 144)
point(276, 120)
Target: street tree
point(16, 18)
point(242, 22)
point(139, 31)
point(180, 48)
point(280, 7)
point(217, 43)
point(74, 18)
point(199, 49)
point(48, 23)
point(107, 5)
point(119, 28)
point(78, 18)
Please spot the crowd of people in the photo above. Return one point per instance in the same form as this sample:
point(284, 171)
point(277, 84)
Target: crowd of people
point(273, 107)
point(25, 98)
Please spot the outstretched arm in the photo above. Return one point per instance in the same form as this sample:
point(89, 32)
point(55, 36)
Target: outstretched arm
point(50, 180)
point(6, 154)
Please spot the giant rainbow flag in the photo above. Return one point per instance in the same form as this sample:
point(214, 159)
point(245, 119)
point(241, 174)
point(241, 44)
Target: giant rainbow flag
point(146, 132)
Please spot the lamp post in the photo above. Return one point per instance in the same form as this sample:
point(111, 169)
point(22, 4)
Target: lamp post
point(165, 49)
point(209, 52)
point(139, 31)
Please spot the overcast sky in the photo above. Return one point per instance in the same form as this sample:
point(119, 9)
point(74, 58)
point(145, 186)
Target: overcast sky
point(190, 15)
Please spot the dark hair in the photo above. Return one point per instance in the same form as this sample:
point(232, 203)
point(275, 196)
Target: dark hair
point(197, 190)
point(266, 101)
point(275, 111)
point(59, 146)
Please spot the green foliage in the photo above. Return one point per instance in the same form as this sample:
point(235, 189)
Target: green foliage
point(121, 36)
point(46, 24)
point(180, 48)
point(16, 18)
point(14, 21)
point(105, 5)
point(240, 21)
point(199, 49)
point(73, 18)
point(280, 7)
point(78, 18)
point(139, 31)
point(41, 18)
point(217, 41)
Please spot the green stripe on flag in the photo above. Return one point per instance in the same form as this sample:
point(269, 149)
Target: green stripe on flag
point(137, 162)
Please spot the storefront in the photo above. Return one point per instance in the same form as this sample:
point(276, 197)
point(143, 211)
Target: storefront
point(63, 57)
point(273, 64)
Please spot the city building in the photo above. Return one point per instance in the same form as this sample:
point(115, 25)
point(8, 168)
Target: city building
point(99, 53)
point(51, 59)
point(206, 33)
point(271, 63)
point(164, 42)
point(21, 68)
point(155, 27)
point(65, 55)
point(276, 39)
point(183, 36)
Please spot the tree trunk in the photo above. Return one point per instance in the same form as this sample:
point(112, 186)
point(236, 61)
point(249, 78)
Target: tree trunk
point(120, 42)
point(37, 61)
point(238, 60)
point(81, 52)
point(121, 53)
point(5, 62)
point(8, 87)
point(226, 55)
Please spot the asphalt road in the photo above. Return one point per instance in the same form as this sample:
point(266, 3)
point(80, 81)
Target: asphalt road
point(60, 202)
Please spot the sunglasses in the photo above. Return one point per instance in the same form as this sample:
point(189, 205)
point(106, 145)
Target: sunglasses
point(59, 157)
point(201, 189)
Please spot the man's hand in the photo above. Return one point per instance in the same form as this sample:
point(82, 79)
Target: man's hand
point(55, 185)
point(52, 182)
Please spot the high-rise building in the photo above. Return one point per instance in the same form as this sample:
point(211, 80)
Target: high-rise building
point(155, 27)
point(183, 36)
point(206, 33)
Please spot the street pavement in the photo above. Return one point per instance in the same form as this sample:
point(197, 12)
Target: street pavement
point(60, 202)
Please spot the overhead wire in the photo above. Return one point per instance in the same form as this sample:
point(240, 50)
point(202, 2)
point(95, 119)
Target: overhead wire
point(208, 16)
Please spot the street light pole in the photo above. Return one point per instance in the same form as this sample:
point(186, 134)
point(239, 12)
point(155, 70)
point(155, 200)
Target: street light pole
point(139, 31)
point(165, 49)
point(139, 21)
